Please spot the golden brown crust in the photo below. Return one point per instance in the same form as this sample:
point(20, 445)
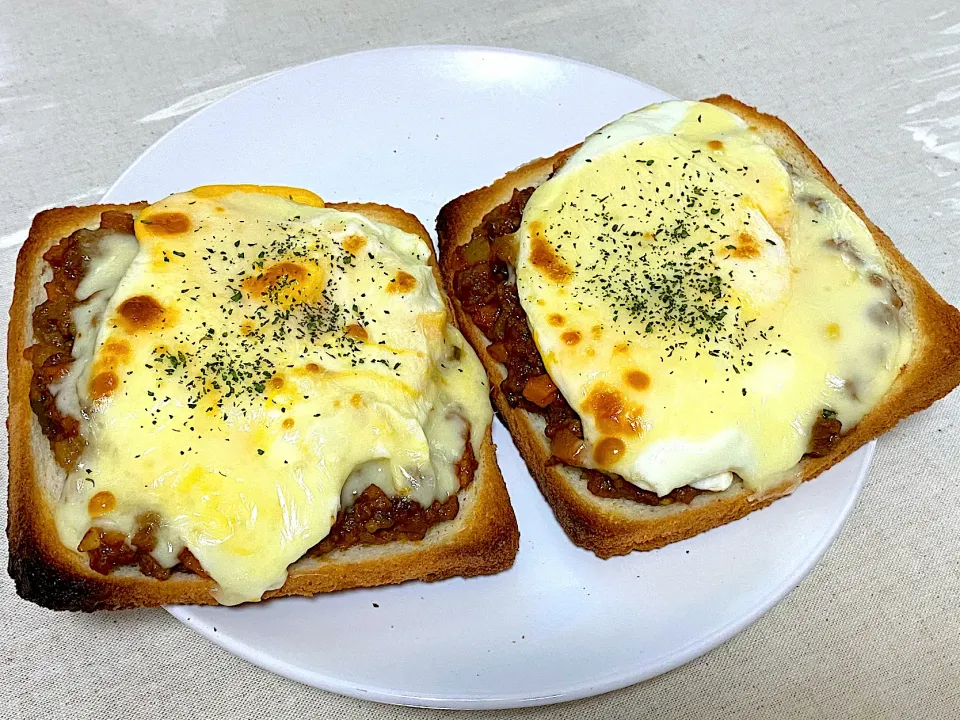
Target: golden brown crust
point(482, 539)
point(615, 527)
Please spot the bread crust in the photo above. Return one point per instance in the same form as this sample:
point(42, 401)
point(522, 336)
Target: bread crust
point(482, 539)
point(611, 527)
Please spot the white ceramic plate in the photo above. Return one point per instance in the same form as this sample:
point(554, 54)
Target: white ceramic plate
point(415, 127)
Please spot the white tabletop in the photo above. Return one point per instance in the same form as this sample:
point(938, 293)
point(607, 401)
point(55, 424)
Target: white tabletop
point(873, 89)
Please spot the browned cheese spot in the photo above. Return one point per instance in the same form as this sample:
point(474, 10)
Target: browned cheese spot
point(571, 337)
point(105, 378)
point(715, 145)
point(103, 384)
point(404, 282)
point(356, 400)
point(555, 319)
point(746, 247)
point(276, 382)
point(101, 503)
point(141, 312)
point(118, 348)
point(313, 367)
point(596, 331)
point(357, 332)
point(354, 244)
point(637, 379)
point(608, 451)
point(167, 223)
point(610, 414)
point(287, 424)
point(282, 279)
point(544, 257)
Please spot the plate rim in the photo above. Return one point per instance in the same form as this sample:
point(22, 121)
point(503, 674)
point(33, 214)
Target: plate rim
point(614, 681)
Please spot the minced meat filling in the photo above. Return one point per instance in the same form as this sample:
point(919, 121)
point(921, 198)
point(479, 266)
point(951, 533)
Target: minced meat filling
point(614, 486)
point(824, 435)
point(54, 333)
point(375, 518)
point(108, 549)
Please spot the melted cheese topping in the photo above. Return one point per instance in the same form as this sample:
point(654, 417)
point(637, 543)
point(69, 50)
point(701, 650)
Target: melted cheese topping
point(699, 304)
point(263, 360)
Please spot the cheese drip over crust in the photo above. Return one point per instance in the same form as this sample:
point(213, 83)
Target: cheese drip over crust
point(700, 303)
point(262, 360)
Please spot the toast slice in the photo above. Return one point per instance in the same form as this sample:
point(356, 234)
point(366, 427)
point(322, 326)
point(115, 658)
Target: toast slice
point(482, 539)
point(609, 526)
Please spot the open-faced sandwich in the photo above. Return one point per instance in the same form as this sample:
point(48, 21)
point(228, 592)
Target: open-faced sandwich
point(684, 317)
point(237, 393)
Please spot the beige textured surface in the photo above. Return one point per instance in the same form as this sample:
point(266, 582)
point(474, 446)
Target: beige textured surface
point(875, 90)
